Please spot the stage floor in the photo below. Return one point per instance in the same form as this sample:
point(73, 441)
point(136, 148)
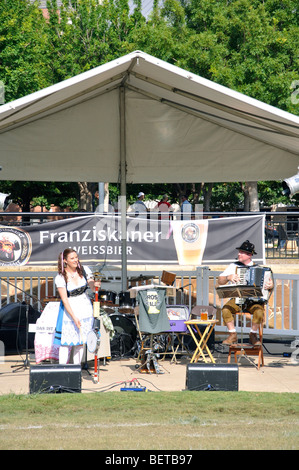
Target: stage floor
point(280, 374)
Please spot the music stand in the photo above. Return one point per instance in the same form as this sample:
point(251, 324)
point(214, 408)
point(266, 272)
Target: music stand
point(238, 291)
point(242, 292)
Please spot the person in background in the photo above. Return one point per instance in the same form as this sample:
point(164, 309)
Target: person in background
point(186, 208)
point(164, 207)
point(139, 205)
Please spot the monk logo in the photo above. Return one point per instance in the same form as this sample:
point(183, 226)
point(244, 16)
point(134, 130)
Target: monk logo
point(15, 246)
point(190, 233)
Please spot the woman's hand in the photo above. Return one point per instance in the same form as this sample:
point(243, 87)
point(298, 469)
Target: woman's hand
point(97, 284)
point(77, 322)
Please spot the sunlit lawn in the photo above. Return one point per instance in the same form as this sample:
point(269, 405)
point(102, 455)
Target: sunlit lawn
point(150, 420)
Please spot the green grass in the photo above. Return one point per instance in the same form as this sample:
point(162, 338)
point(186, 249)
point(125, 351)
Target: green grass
point(150, 420)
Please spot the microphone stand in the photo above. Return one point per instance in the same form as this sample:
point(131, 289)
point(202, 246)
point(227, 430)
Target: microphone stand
point(182, 290)
point(26, 362)
point(183, 287)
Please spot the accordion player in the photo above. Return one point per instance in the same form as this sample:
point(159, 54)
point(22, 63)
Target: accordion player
point(245, 267)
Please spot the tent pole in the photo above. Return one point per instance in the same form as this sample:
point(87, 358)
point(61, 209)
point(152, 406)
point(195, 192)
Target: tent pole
point(123, 189)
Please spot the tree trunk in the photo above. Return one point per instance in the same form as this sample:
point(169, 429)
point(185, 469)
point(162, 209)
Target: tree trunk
point(251, 197)
point(103, 199)
point(85, 203)
point(207, 193)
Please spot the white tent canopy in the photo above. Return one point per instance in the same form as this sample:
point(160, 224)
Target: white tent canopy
point(138, 119)
point(161, 123)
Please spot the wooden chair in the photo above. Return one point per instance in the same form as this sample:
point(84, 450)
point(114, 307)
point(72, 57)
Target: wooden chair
point(248, 349)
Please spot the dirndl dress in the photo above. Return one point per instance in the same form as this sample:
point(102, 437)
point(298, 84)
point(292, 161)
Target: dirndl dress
point(66, 332)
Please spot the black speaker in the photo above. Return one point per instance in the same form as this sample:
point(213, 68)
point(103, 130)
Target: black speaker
point(212, 377)
point(55, 378)
point(13, 326)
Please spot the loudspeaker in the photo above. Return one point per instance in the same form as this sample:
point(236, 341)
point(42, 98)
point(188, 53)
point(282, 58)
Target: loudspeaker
point(4, 200)
point(212, 377)
point(13, 326)
point(55, 378)
point(290, 185)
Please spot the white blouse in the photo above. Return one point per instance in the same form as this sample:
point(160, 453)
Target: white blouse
point(60, 281)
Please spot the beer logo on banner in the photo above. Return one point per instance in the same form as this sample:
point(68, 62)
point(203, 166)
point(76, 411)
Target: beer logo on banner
point(15, 246)
point(190, 233)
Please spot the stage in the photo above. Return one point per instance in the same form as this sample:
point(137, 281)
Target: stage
point(280, 374)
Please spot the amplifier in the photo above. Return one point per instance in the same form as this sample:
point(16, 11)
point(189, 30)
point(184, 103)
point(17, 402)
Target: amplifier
point(55, 378)
point(212, 377)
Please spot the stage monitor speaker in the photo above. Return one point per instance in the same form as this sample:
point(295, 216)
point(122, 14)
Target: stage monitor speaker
point(55, 378)
point(212, 377)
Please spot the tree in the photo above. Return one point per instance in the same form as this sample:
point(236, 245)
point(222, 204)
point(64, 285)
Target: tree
point(28, 194)
point(249, 46)
point(251, 198)
point(23, 47)
point(164, 33)
point(87, 33)
point(86, 191)
point(84, 34)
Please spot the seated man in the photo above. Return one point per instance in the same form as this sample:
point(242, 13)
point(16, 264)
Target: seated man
point(253, 306)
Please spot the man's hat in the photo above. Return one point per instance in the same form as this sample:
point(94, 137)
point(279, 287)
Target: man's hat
point(247, 247)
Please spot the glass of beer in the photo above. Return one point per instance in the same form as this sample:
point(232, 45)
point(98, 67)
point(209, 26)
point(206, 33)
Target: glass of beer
point(190, 239)
point(204, 315)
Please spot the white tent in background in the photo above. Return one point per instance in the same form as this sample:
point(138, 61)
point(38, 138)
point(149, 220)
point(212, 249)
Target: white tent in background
point(172, 125)
point(138, 119)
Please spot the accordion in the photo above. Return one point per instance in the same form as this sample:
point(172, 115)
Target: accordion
point(250, 287)
point(255, 276)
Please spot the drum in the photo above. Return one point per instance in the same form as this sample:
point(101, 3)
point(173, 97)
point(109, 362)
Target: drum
point(126, 303)
point(107, 300)
point(125, 338)
point(107, 296)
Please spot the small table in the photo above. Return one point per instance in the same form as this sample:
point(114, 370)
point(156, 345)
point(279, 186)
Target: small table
point(201, 345)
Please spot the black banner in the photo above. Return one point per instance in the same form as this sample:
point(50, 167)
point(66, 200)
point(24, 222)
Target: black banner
point(97, 239)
